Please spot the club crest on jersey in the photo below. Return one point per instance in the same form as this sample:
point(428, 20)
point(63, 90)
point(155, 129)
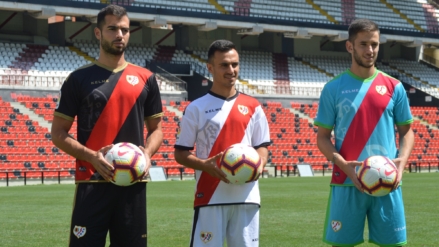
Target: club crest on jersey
point(206, 237)
point(243, 109)
point(336, 225)
point(381, 89)
point(132, 79)
point(79, 231)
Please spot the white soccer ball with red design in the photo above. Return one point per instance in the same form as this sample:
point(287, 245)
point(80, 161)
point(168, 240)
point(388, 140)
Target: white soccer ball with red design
point(377, 175)
point(129, 163)
point(241, 163)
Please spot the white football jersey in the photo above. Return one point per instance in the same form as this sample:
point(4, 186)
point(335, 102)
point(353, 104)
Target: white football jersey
point(213, 123)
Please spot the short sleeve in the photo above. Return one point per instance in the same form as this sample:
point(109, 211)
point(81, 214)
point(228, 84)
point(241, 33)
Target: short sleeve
point(188, 130)
point(69, 101)
point(401, 110)
point(153, 103)
point(261, 132)
point(326, 113)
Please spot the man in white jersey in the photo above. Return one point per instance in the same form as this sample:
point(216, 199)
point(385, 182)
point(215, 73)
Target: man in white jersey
point(222, 117)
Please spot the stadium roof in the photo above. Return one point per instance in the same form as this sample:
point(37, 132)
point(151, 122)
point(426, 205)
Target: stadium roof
point(138, 14)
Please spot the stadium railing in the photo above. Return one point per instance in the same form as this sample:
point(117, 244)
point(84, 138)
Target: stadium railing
point(171, 79)
point(279, 89)
point(431, 60)
point(39, 174)
point(292, 169)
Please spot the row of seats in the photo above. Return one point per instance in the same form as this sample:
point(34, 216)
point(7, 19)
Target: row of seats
point(420, 16)
point(292, 143)
point(269, 73)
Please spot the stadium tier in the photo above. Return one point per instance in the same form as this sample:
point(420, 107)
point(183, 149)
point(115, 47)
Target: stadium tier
point(261, 72)
point(418, 16)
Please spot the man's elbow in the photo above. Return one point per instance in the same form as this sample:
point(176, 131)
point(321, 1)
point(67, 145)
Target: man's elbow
point(58, 135)
point(180, 155)
point(56, 140)
point(157, 133)
point(177, 155)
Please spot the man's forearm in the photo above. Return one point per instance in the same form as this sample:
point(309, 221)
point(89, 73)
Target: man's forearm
point(327, 148)
point(72, 147)
point(406, 143)
point(153, 142)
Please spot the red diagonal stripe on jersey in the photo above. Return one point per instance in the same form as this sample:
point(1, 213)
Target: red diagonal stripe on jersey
point(232, 132)
point(364, 123)
point(114, 114)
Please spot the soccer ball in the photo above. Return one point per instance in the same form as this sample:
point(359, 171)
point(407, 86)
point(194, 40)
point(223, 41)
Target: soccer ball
point(241, 163)
point(129, 163)
point(377, 175)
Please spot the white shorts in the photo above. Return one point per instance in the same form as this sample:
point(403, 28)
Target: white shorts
point(237, 224)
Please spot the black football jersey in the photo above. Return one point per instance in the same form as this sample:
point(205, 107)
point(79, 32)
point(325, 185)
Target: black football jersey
point(110, 106)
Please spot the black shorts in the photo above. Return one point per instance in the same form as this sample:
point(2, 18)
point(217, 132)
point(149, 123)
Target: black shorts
point(99, 208)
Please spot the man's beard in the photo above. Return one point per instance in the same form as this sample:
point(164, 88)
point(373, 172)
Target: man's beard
point(106, 46)
point(360, 63)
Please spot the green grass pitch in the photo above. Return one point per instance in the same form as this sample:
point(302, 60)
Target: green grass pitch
point(292, 212)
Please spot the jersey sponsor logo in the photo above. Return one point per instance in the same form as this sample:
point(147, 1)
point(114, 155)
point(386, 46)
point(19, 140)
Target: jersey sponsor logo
point(206, 237)
point(350, 91)
point(336, 225)
point(79, 231)
point(243, 109)
point(381, 89)
point(212, 110)
point(132, 79)
point(99, 82)
point(82, 169)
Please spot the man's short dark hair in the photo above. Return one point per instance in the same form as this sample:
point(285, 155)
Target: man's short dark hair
point(221, 45)
point(361, 25)
point(110, 10)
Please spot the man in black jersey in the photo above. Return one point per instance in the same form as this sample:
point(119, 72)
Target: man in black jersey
point(112, 101)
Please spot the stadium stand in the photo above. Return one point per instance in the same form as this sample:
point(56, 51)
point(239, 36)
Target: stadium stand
point(398, 15)
point(264, 70)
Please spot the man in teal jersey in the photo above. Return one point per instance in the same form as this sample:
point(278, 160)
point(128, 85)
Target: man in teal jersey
point(362, 106)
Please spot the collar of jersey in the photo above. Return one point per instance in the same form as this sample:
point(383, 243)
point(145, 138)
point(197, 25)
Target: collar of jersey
point(122, 67)
point(223, 98)
point(364, 80)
